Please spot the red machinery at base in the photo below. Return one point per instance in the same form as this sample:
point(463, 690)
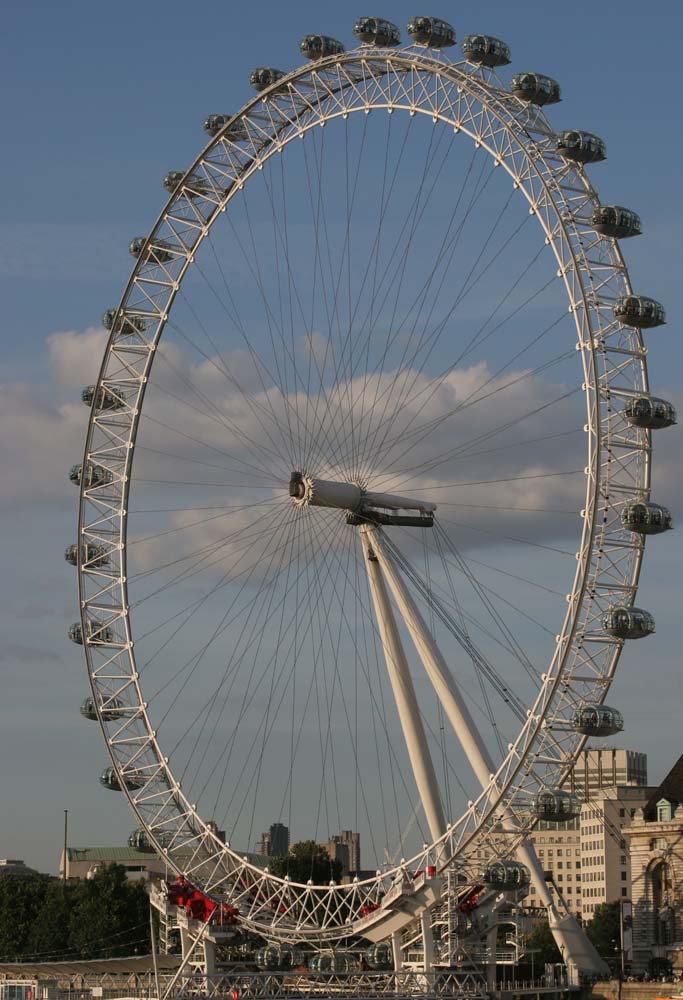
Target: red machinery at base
point(198, 906)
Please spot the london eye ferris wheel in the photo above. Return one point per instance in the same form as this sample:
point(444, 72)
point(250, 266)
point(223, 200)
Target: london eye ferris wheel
point(366, 482)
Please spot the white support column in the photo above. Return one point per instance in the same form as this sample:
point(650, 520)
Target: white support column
point(404, 693)
point(396, 952)
point(568, 935)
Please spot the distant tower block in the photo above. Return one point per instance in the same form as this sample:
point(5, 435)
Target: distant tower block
point(279, 840)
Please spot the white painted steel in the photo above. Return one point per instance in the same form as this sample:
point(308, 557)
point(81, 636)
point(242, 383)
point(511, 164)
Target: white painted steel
point(591, 267)
point(404, 692)
point(576, 948)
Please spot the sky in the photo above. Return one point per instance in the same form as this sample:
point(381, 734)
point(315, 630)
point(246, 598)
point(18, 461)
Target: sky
point(98, 103)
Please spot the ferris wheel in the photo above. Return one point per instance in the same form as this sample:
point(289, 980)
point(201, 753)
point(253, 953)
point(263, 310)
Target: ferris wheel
point(366, 483)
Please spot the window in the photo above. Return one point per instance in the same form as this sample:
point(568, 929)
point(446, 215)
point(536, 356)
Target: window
point(624, 892)
point(623, 876)
point(622, 813)
point(559, 852)
point(559, 865)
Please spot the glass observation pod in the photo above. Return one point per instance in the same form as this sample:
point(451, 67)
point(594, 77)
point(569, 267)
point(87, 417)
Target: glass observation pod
point(378, 955)
point(139, 841)
point(485, 50)
point(505, 875)
point(646, 518)
point(216, 123)
point(262, 77)
point(274, 956)
point(125, 325)
point(194, 185)
point(650, 412)
point(555, 806)
point(105, 400)
point(628, 623)
point(597, 720)
point(431, 31)
point(93, 555)
point(638, 310)
point(581, 147)
point(535, 88)
point(97, 633)
point(376, 31)
point(158, 252)
point(110, 779)
point(94, 475)
point(319, 46)
point(112, 710)
point(333, 961)
point(613, 220)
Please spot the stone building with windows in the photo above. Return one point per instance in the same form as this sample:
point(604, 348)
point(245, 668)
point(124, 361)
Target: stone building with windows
point(656, 839)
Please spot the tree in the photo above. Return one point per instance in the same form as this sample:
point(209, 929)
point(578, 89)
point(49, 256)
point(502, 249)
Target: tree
point(109, 917)
point(307, 860)
point(541, 941)
point(21, 898)
point(604, 930)
point(102, 917)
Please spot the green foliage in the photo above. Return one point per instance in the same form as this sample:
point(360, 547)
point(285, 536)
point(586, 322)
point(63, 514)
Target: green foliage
point(21, 898)
point(103, 917)
point(604, 930)
point(541, 941)
point(307, 860)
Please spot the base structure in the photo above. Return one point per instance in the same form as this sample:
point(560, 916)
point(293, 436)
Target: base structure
point(436, 935)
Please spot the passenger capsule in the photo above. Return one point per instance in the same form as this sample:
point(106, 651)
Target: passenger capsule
point(125, 325)
point(139, 841)
point(319, 46)
point(431, 31)
point(650, 412)
point(484, 50)
point(505, 875)
point(581, 147)
point(555, 806)
point(97, 633)
point(112, 710)
point(158, 252)
point(639, 311)
point(376, 31)
point(333, 961)
point(535, 88)
point(627, 623)
point(278, 957)
point(91, 555)
point(378, 955)
point(110, 779)
point(214, 123)
point(264, 76)
point(646, 518)
point(597, 720)
point(95, 475)
point(193, 186)
point(106, 400)
point(615, 221)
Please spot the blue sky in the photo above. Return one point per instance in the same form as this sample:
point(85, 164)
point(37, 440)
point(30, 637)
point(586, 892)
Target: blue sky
point(99, 102)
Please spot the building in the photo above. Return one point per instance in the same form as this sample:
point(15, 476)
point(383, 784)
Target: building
point(558, 847)
point(606, 767)
point(278, 840)
point(85, 861)
point(14, 866)
point(345, 848)
point(656, 839)
point(604, 849)
point(262, 846)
